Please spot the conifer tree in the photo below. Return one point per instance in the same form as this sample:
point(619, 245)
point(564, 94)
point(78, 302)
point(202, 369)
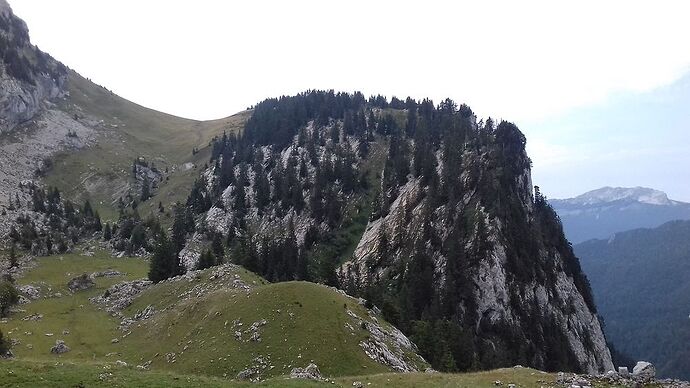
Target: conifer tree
point(206, 260)
point(4, 345)
point(13, 256)
point(217, 247)
point(164, 262)
point(107, 232)
point(179, 229)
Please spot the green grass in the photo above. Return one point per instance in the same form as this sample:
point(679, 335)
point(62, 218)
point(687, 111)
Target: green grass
point(305, 323)
point(129, 131)
point(90, 330)
point(18, 373)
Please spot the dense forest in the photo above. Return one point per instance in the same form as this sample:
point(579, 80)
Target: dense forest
point(640, 283)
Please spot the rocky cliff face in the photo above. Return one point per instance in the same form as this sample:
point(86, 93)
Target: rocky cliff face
point(422, 210)
point(28, 76)
point(500, 251)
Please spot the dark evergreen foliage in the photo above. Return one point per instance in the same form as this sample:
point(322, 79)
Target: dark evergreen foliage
point(9, 296)
point(164, 262)
point(5, 345)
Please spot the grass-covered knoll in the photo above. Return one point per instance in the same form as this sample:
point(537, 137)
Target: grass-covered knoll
point(129, 131)
point(88, 329)
point(304, 322)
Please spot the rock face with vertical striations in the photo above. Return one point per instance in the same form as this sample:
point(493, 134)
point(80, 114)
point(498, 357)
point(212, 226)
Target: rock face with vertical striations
point(489, 253)
point(28, 76)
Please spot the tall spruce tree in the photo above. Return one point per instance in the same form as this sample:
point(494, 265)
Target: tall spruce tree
point(164, 262)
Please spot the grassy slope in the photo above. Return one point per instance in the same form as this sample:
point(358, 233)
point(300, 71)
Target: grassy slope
point(16, 373)
point(90, 330)
point(305, 322)
point(129, 131)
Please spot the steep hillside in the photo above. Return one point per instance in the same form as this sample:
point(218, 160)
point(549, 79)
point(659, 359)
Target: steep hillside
point(60, 129)
point(601, 213)
point(421, 209)
point(125, 132)
point(641, 282)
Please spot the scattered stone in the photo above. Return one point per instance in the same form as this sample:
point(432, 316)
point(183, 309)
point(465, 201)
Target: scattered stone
point(146, 313)
point(60, 347)
point(114, 340)
point(144, 366)
point(65, 332)
point(30, 292)
point(120, 363)
point(377, 348)
point(561, 379)
point(80, 283)
point(357, 384)
point(107, 273)
point(311, 372)
point(120, 296)
point(247, 374)
point(33, 317)
point(105, 376)
point(623, 371)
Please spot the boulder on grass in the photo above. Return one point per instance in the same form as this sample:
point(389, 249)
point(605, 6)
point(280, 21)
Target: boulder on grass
point(311, 372)
point(81, 282)
point(60, 347)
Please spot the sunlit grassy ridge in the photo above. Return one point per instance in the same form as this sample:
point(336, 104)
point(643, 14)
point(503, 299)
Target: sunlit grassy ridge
point(128, 131)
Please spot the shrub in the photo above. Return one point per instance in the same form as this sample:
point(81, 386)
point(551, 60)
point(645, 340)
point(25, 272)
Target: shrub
point(8, 297)
point(4, 345)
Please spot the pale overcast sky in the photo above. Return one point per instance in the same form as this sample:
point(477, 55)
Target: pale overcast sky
point(577, 77)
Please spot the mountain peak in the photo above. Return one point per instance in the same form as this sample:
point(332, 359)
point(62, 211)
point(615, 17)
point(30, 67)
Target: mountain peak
point(613, 194)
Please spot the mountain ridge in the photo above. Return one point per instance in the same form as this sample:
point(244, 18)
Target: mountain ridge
point(600, 213)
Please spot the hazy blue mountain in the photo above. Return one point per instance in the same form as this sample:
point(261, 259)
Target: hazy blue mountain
point(641, 284)
point(601, 213)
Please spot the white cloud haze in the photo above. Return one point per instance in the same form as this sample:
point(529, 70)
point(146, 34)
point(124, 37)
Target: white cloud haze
point(521, 61)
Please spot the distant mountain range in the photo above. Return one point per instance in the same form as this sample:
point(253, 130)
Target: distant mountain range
point(601, 213)
point(641, 284)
